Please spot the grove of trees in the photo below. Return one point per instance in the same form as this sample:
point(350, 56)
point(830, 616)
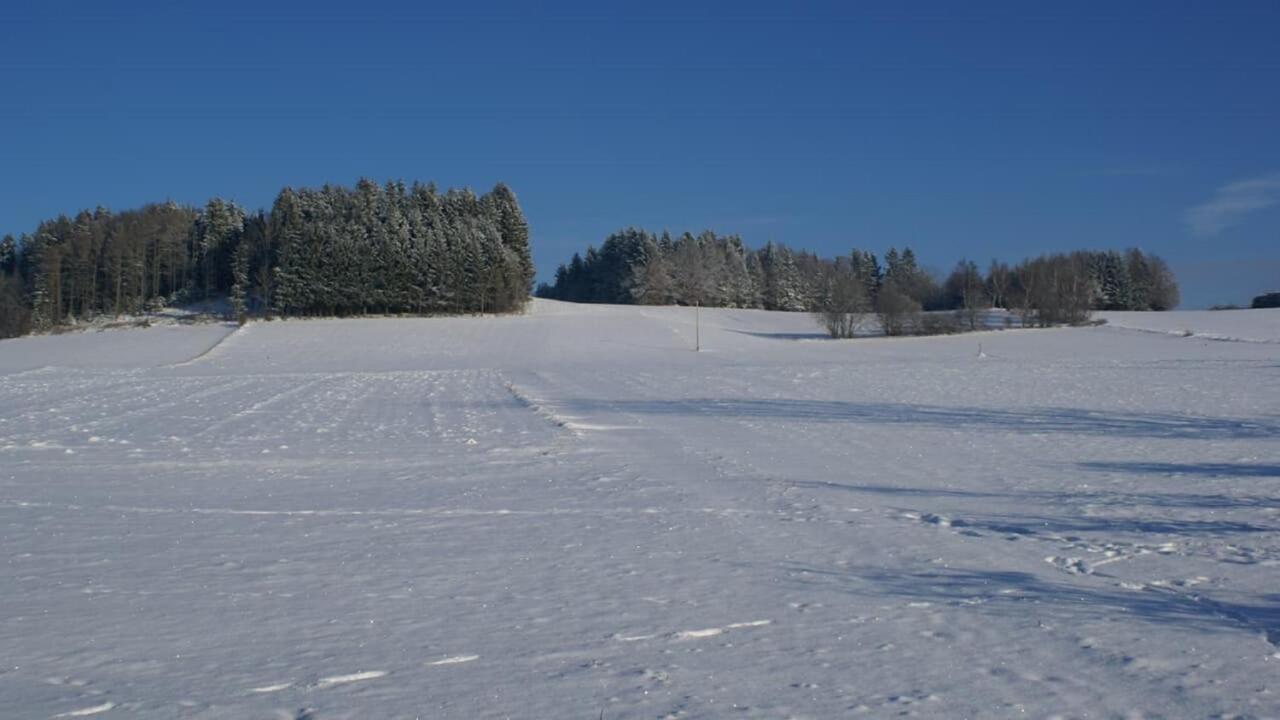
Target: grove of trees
point(1265, 300)
point(327, 251)
point(635, 266)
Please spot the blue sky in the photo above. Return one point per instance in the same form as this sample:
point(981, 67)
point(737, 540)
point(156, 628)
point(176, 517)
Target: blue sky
point(961, 129)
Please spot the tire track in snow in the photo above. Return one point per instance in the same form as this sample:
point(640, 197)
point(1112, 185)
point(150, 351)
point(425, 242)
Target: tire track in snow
point(255, 407)
point(216, 388)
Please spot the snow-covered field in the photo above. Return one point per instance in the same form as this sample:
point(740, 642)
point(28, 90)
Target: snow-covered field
point(1234, 325)
point(124, 349)
point(570, 514)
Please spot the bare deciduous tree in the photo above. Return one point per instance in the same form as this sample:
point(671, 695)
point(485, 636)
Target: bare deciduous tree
point(967, 292)
point(898, 312)
point(845, 307)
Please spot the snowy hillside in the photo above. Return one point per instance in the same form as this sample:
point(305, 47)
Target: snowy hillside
point(119, 348)
point(570, 513)
point(1235, 325)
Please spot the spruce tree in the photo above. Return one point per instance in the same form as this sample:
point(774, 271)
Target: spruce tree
point(290, 275)
point(8, 256)
point(514, 230)
point(893, 266)
point(240, 283)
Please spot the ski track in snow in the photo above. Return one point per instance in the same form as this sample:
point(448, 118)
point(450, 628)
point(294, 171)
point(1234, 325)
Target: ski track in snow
point(570, 513)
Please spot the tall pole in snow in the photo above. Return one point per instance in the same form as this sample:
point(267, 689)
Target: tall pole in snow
point(697, 327)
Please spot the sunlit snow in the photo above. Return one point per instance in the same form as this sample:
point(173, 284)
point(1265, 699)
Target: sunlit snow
point(571, 513)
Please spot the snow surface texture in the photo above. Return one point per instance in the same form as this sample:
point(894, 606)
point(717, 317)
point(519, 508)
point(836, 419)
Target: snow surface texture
point(570, 513)
point(1231, 325)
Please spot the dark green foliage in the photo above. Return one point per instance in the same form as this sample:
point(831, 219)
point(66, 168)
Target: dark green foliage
point(8, 256)
point(913, 281)
point(867, 269)
point(214, 238)
point(240, 283)
point(15, 316)
point(1268, 300)
point(327, 251)
point(633, 266)
point(396, 250)
point(514, 231)
point(1132, 280)
point(103, 262)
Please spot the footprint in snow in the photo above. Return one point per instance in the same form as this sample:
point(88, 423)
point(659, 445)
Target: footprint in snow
point(1072, 565)
point(935, 519)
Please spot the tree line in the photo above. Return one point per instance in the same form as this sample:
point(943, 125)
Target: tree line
point(635, 266)
point(1266, 300)
point(326, 251)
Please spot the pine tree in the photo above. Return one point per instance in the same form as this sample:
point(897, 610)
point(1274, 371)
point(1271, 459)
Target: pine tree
point(756, 274)
point(8, 256)
point(781, 288)
point(1140, 279)
point(653, 284)
point(290, 275)
point(514, 230)
point(909, 266)
point(328, 250)
point(690, 274)
point(893, 266)
point(739, 290)
point(216, 232)
point(867, 269)
point(240, 283)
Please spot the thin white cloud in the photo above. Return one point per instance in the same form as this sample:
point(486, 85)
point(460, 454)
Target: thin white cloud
point(1232, 202)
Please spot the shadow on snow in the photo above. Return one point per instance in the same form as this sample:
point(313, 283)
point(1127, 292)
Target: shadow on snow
point(1206, 469)
point(1025, 524)
point(995, 592)
point(1036, 420)
point(784, 335)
